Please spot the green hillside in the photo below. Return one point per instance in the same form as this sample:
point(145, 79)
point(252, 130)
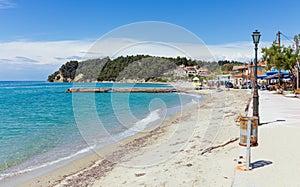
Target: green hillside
point(130, 67)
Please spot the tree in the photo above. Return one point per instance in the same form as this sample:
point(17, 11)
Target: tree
point(68, 70)
point(227, 67)
point(279, 57)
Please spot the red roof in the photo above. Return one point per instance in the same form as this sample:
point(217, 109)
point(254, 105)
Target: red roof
point(259, 73)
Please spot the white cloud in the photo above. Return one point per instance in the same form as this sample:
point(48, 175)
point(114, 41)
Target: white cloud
point(114, 47)
point(49, 55)
point(27, 60)
point(57, 52)
point(6, 4)
point(240, 51)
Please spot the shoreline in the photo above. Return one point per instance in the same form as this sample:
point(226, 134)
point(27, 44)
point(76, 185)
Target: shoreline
point(52, 174)
point(31, 173)
point(86, 169)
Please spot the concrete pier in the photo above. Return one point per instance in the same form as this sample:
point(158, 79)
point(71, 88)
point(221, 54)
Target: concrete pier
point(124, 90)
point(95, 90)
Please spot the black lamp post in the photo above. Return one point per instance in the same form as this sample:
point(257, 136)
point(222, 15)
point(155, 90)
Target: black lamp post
point(256, 36)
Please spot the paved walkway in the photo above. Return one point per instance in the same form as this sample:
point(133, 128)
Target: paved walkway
point(276, 161)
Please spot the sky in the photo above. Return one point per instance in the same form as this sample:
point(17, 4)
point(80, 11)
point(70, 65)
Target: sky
point(37, 37)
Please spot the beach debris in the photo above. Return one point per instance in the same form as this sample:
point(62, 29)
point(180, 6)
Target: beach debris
point(140, 174)
point(101, 169)
point(176, 121)
point(209, 149)
point(176, 143)
point(229, 113)
point(189, 165)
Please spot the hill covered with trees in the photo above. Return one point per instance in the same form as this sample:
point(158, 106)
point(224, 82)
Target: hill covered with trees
point(138, 67)
point(130, 67)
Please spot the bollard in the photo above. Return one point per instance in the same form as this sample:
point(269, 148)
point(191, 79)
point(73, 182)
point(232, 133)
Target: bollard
point(248, 152)
point(243, 131)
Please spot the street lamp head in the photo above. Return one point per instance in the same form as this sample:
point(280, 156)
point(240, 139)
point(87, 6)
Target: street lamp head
point(256, 36)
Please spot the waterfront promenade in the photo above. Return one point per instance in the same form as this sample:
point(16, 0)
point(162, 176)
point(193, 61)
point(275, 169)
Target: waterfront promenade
point(276, 160)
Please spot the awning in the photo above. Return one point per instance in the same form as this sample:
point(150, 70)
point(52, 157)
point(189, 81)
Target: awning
point(262, 76)
point(283, 72)
point(275, 76)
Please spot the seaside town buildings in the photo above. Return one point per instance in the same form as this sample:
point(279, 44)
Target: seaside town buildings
point(239, 76)
point(191, 71)
point(245, 74)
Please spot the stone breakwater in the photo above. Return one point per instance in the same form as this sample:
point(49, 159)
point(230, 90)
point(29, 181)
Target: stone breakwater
point(104, 90)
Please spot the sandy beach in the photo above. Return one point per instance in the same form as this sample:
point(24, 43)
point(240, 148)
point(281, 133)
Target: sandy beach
point(195, 147)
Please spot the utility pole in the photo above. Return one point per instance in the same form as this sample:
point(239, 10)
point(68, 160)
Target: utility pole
point(279, 74)
point(297, 63)
point(278, 35)
point(297, 44)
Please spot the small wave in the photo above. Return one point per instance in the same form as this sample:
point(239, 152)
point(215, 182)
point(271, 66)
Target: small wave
point(157, 115)
point(14, 173)
point(140, 125)
point(196, 96)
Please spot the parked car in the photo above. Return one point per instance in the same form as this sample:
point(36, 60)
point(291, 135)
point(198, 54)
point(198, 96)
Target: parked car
point(228, 85)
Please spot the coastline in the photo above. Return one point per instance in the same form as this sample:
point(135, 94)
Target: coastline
point(97, 170)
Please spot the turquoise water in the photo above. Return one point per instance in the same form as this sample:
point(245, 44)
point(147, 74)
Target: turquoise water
point(41, 124)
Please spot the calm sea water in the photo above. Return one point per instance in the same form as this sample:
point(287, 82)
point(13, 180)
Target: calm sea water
point(40, 124)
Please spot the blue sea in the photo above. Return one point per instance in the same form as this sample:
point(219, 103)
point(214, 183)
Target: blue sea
point(41, 124)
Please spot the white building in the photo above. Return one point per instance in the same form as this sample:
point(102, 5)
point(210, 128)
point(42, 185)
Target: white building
point(224, 78)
